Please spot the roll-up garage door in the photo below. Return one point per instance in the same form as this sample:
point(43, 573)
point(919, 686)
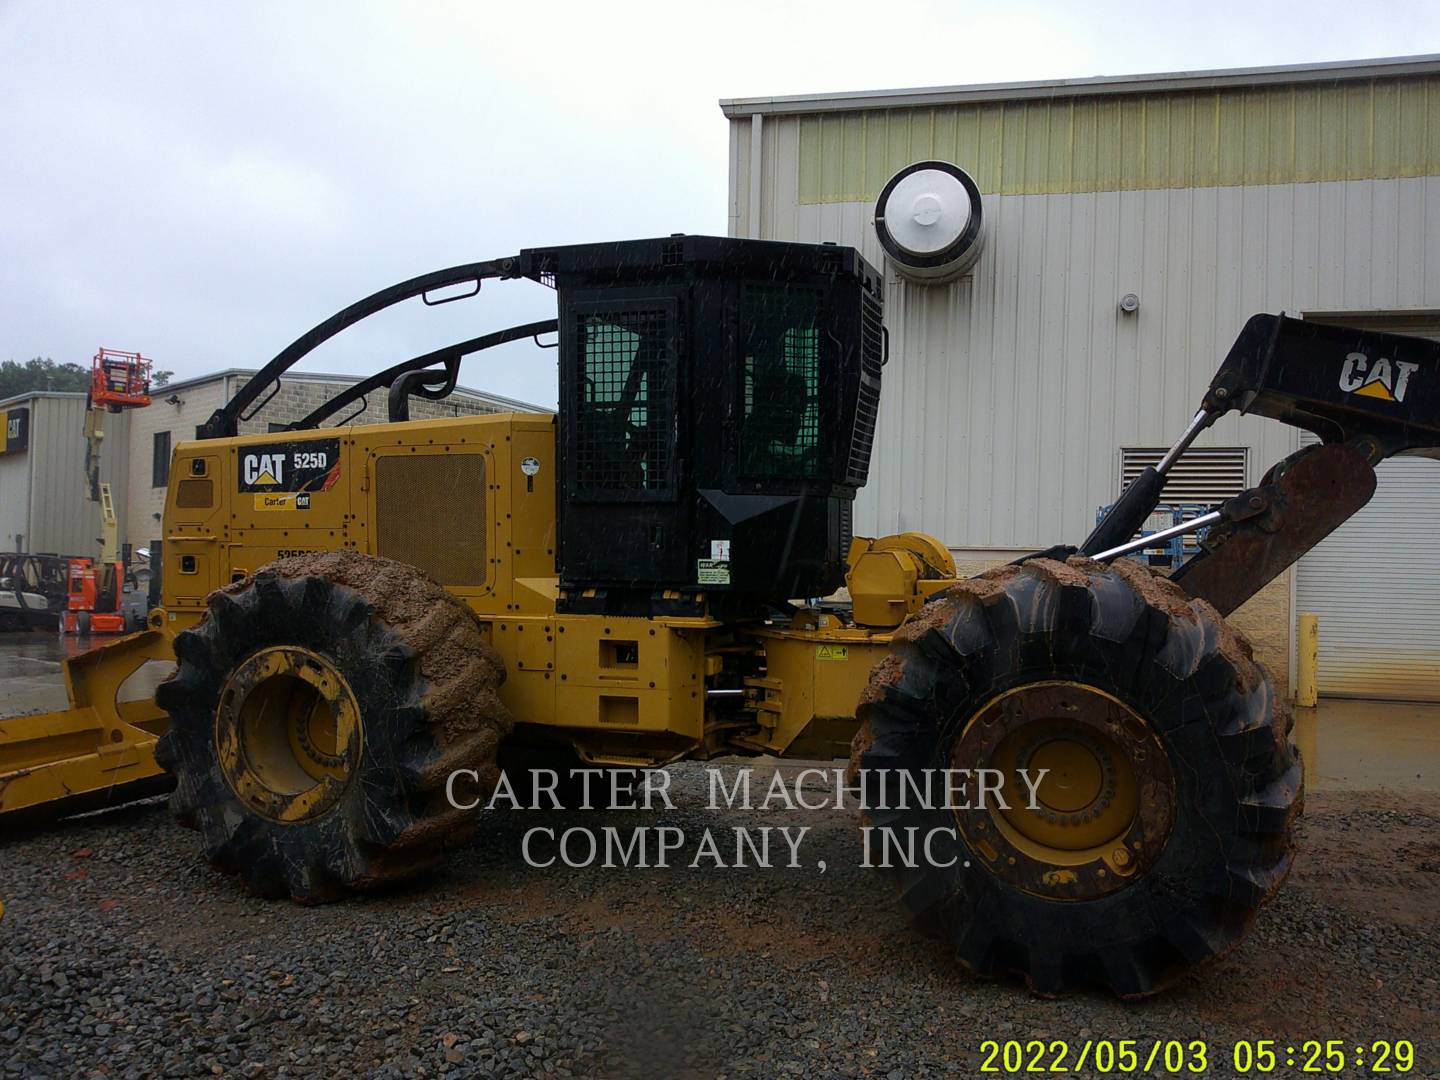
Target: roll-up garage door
point(1375, 581)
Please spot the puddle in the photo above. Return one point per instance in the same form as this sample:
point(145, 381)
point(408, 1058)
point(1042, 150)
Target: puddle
point(1361, 745)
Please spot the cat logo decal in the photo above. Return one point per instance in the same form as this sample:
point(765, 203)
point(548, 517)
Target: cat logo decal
point(1386, 380)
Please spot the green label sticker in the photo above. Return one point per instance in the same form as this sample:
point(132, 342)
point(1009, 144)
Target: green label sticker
point(712, 572)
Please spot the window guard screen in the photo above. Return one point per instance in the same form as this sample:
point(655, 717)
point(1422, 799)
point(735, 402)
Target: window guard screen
point(624, 423)
point(780, 383)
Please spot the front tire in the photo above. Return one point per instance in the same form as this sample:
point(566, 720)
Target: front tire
point(1165, 819)
point(316, 714)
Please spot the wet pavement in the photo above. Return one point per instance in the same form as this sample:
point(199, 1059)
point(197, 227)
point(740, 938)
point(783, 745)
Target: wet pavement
point(1348, 745)
point(30, 675)
point(1351, 745)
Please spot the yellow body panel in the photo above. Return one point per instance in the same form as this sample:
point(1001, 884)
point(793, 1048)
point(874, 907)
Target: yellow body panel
point(813, 678)
point(471, 500)
point(100, 749)
point(891, 578)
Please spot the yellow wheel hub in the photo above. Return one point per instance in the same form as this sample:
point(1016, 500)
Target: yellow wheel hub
point(288, 733)
point(1074, 775)
point(1087, 794)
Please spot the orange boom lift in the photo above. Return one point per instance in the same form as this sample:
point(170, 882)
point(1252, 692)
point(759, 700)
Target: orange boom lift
point(118, 381)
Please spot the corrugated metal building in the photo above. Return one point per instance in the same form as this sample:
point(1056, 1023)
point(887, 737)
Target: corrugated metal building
point(44, 502)
point(1021, 394)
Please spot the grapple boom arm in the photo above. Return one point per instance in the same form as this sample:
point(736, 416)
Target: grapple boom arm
point(1345, 385)
point(1367, 395)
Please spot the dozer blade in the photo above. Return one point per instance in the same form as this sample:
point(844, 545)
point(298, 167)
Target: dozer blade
point(98, 752)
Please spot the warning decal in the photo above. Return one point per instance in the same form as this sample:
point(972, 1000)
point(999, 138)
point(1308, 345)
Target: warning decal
point(712, 572)
point(832, 652)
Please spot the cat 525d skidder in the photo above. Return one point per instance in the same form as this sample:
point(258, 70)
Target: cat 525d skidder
point(359, 611)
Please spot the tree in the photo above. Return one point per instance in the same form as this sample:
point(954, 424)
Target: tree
point(160, 378)
point(41, 373)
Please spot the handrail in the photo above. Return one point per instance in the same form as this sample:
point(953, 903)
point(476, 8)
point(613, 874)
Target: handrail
point(387, 377)
point(224, 422)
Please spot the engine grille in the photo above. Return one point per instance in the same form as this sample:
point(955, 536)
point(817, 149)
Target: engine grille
point(430, 513)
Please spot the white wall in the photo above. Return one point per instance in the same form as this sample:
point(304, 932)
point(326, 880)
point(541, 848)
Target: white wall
point(144, 500)
point(14, 499)
point(1009, 392)
point(61, 517)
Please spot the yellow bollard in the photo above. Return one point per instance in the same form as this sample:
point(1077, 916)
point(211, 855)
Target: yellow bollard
point(1307, 660)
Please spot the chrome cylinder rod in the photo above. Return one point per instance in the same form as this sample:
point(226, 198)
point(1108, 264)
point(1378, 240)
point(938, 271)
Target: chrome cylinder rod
point(1201, 421)
point(1159, 537)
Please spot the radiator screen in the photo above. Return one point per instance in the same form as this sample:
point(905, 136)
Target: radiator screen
point(431, 514)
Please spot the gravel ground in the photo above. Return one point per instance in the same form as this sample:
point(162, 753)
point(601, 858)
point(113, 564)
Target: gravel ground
point(123, 955)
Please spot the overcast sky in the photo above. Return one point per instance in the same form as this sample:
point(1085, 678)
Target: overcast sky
point(204, 182)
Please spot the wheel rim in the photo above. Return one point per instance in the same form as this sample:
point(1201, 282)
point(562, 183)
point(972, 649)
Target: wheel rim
point(1102, 807)
point(288, 733)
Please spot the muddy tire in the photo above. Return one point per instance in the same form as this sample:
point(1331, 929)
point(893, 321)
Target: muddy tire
point(1165, 819)
point(317, 713)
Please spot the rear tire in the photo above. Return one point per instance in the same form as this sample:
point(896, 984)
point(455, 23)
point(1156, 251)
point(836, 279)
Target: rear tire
point(1167, 818)
point(317, 712)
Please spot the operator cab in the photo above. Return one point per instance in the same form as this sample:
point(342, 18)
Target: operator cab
point(718, 400)
point(717, 409)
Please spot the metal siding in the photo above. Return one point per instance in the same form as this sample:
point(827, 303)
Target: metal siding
point(782, 206)
point(1012, 388)
point(736, 168)
point(1374, 583)
point(15, 496)
point(758, 190)
point(1382, 128)
point(62, 518)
